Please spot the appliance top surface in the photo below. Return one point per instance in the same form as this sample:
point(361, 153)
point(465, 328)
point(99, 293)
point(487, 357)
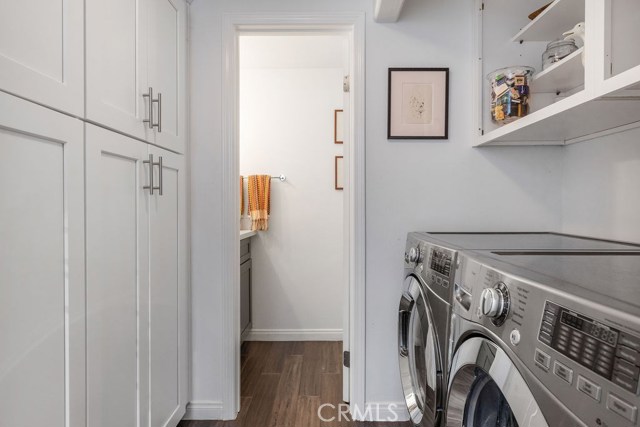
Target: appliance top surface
point(605, 276)
point(526, 241)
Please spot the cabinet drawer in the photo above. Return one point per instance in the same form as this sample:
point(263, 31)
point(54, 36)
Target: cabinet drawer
point(245, 250)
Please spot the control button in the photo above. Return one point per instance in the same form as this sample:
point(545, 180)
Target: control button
point(626, 368)
point(514, 337)
point(545, 338)
point(629, 355)
point(563, 372)
point(549, 318)
point(542, 359)
point(575, 347)
point(438, 281)
point(574, 354)
point(546, 327)
point(565, 328)
point(601, 370)
point(445, 283)
point(629, 341)
point(551, 308)
point(592, 341)
point(590, 351)
point(589, 388)
point(625, 382)
point(622, 408)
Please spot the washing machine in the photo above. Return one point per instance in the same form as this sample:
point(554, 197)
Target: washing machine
point(545, 338)
point(424, 339)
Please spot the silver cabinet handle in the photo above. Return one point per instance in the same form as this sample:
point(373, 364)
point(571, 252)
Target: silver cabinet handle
point(159, 124)
point(149, 120)
point(161, 173)
point(151, 164)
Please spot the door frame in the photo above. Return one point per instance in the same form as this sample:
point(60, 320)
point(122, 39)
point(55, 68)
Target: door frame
point(233, 24)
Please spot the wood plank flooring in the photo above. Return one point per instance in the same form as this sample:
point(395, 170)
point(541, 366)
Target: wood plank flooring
point(284, 383)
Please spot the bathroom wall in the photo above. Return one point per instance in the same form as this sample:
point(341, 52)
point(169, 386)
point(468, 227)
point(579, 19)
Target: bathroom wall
point(289, 89)
point(410, 185)
point(601, 192)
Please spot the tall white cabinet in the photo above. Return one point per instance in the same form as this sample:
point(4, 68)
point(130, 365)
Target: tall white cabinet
point(93, 262)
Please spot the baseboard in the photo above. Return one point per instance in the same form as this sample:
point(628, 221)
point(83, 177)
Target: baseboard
point(382, 412)
point(204, 410)
point(294, 335)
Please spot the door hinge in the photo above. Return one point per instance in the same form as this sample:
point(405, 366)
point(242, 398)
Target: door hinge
point(346, 359)
point(346, 84)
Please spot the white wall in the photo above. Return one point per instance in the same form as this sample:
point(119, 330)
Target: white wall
point(416, 185)
point(601, 193)
point(289, 88)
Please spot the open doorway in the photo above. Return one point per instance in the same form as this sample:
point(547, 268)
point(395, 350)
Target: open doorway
point(351, 27)
point(293, 284)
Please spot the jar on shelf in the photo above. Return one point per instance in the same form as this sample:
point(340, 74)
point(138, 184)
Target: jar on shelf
point(509, 93)
point(557, 51)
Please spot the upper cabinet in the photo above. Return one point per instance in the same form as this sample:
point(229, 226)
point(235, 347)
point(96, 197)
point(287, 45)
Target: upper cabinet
point(41, 52)
point(586, 93)
point(136, 68)
point(167, 71)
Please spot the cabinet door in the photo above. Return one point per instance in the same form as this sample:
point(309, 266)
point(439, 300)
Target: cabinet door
point(167, 67)
point(245, 295)
point(42, 331)
point(41, 52)
point(168, 292)
point(116, 38)
point(117, 280)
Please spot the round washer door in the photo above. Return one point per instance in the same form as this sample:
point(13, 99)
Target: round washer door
point(420, 359)
point(487, 390)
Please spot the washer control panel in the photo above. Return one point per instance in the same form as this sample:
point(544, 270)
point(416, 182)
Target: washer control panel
point(602, 349)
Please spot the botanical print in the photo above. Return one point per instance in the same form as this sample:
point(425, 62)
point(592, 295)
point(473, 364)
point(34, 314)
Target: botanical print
point(417, 103)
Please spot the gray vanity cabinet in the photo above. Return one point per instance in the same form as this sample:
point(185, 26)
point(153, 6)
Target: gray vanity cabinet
point(245, 286)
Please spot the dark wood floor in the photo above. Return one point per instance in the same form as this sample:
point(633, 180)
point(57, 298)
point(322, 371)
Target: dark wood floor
point(284, 384)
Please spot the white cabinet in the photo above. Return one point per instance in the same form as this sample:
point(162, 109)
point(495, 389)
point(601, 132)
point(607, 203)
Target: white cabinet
point(42, 52)
point(116, 38)
point(167, 71)
point(590, 93)
point(137, 331)
point(42, 289)
point(168, 303)
point(138, 48)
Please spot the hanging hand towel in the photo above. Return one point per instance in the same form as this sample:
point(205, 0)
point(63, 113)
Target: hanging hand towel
point(259, 192)
point(241, 196)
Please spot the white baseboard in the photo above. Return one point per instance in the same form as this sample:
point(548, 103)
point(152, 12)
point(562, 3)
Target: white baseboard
point(382, 411)
point(294, 335)
point(204, 410)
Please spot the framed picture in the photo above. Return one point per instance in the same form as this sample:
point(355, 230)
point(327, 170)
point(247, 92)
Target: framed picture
point(339, 173)
point(338, 127)
point(418, 103)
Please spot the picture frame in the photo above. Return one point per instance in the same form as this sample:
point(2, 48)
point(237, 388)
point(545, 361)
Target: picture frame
point(338, 127)
point(418, 103)
point(339, 173)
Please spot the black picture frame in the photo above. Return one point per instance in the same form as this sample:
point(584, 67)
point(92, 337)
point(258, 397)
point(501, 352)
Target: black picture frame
point(391, 112)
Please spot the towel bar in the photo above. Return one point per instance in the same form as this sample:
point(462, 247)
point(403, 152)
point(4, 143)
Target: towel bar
point(280, 177)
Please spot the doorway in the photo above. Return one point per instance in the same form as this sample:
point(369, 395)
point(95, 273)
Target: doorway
point(351, 26)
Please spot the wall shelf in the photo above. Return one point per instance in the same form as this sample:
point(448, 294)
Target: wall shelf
point(562, 76)
point(572, 119)
point(559, 17)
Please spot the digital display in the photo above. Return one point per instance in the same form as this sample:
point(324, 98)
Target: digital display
point(440, 262)
point(590, 328)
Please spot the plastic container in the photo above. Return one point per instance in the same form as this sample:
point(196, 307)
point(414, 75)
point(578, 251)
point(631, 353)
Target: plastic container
point(557, 51)
point(509, 93)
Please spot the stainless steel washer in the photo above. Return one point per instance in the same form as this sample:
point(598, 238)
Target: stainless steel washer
point(545, 338)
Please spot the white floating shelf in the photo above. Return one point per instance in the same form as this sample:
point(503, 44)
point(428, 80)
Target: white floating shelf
point(560, 16)
point(570, 120)
point(562, 76)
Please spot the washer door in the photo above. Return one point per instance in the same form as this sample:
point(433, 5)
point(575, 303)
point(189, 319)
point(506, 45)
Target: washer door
point(420, 362)
point(487, 390)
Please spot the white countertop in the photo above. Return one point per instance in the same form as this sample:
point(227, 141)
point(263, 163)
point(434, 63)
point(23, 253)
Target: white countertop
point(245, 234)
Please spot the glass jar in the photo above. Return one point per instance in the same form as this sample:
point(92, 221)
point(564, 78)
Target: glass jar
point(556, 51)
point(509, 93)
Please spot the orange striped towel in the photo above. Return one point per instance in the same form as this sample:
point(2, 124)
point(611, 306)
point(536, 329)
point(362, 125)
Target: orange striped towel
point(241, 196)
point(259, 191)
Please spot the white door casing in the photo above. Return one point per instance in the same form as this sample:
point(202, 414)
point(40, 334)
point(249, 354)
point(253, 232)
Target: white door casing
point(351, 24)
point(42, 333)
